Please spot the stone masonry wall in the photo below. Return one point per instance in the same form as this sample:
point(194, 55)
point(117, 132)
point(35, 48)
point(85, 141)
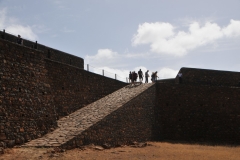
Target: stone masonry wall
point(74, 88)
point(26, 110)
point(35, 91)
point(194, 113)
point(132, 122)
point(197, 76)
point(48, 52)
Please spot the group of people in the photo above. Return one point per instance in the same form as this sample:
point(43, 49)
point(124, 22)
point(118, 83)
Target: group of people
point(133, 76)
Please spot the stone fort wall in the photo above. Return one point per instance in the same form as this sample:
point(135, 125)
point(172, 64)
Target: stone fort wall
point(47, 52)
point(196, 76)
point(35, 91)
point(199, 112)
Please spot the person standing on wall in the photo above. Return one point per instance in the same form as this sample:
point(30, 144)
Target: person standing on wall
point(140, 74)
point(134, 75)
point(146, 76)
point(155, 76)
point(179, 77)
point(130, 77)
point(152, 77)
point(19, 40)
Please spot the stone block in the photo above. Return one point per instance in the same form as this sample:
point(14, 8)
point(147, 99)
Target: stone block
point(3, 136)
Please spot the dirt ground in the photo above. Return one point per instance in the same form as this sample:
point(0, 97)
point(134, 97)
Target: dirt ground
point(153, 150)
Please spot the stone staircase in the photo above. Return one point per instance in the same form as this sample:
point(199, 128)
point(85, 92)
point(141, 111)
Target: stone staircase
point(76, 123)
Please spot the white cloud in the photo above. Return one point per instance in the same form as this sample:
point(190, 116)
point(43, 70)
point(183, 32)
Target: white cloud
point(151, 32)
point(11, 26)
point(233, 29)
point(25, 32)
point(110, 72)
point(165, 73)
point(103, 56)
point(163, 38)
point(111, 58)
point(108, 60)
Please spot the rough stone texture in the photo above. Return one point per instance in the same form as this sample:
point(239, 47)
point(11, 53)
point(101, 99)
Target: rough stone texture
point(48, 52)
point(197, 76)
point(119, 118)
point(26, 110)
point(194, 113)
point(35, 91)
point(74, 88)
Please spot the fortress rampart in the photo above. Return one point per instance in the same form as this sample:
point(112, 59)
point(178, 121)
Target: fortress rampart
point(196, 76)
point(203, 109)
point(36, 91)
point(47, 52)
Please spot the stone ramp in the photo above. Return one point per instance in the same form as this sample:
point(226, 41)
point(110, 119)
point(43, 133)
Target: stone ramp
point(76, 123)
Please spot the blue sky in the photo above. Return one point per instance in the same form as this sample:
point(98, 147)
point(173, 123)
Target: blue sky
point(125, 35)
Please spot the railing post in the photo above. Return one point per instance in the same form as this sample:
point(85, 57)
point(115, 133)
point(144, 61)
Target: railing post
point(126, 79)
point(103, 72)
point(87, 67)
point(116, 76)
point(36, 45)
point(3, 36)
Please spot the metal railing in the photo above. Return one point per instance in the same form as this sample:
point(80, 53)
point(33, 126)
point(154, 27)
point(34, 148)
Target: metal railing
point(104, 73)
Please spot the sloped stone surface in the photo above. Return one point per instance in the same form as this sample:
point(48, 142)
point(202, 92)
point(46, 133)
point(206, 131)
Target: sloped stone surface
point(84, 126)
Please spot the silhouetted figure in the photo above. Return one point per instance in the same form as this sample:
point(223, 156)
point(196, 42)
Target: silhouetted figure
point(152, 77)
point(130, 77)
point(140, 74)
point(19, 40)
point(134, 76)
point(146, 76)
point(155, 76)
point(180, 77)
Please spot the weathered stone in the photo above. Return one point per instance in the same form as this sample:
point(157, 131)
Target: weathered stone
point(99, 148)
point(106, 146)
point(11, 143)
point(3, 136)
point(21, 129)
point(2, 150)
point(19, 140)
point(3, 144)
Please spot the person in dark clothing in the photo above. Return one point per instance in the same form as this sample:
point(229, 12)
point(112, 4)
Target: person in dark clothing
point(140, 74)
point(130, 77)
point(153, 77)
point(19, 40)
point(146, 76)
point(134, 76)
